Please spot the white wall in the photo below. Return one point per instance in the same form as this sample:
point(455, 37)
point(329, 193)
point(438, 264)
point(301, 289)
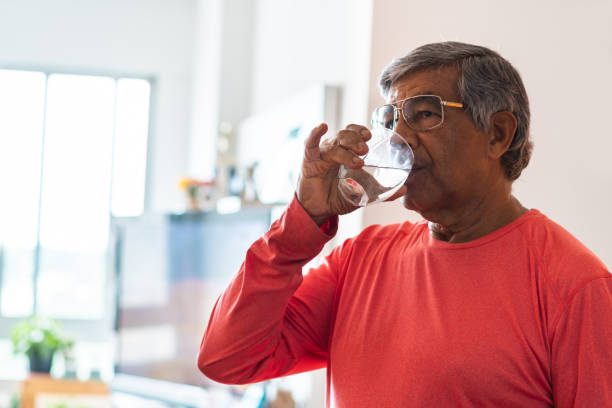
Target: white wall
point(237, 42)
point(222, 81)
point(299, 43)
point(206, 88)
point(135, 37)
point(563, 51)
point(296, 44)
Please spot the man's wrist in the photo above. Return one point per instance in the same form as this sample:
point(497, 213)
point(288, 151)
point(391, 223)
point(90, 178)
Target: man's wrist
point(318, 219)
point(297, 232)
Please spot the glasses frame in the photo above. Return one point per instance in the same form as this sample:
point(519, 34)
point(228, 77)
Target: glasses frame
point(400, 109)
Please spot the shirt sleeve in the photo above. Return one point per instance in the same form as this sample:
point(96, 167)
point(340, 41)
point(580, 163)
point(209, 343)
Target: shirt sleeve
point(581, 348)
point(271, 321)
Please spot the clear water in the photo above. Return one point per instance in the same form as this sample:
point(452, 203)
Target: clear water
point(370, 183)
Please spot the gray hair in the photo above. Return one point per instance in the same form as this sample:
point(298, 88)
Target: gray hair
point(488, 83)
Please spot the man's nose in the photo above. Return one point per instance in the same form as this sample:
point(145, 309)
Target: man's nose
point(407, 133)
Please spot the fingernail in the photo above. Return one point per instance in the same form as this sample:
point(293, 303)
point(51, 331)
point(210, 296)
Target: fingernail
point(356, 160)
point(362, 145)
point(365, 132)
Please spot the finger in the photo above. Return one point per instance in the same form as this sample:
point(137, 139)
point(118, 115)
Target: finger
point(399, 193)
point(314, 138)
point(312, 142)
point(361, 130)
point(351, 140)
point(339, 155)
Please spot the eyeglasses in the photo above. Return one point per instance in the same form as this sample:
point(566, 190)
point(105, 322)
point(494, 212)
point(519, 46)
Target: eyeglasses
point(421, 112)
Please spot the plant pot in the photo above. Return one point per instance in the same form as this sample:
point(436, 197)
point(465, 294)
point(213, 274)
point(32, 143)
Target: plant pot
point(194, 204)
point(40, 362)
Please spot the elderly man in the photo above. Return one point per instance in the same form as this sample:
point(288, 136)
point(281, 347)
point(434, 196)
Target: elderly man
point(486, 304)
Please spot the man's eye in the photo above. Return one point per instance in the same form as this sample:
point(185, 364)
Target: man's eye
point(425, 114)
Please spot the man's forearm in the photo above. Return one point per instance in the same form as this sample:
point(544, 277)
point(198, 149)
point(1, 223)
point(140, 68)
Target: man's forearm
point(246, 339)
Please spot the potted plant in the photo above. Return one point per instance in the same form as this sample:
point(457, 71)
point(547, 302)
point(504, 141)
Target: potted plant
point(39, 338)
point(196, 191)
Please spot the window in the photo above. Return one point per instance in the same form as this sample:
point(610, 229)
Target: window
point(72, 154)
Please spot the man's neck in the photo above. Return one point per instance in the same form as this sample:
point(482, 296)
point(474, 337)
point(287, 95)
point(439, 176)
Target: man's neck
point(477, 218)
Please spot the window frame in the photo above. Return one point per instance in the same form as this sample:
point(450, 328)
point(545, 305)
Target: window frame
point(100, 329)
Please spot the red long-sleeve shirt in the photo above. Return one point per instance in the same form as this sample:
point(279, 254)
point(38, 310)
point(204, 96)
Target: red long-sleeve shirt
point(521, 317)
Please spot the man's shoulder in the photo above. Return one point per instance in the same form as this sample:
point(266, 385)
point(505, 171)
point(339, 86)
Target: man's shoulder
point(566, 261)
point(378, 238)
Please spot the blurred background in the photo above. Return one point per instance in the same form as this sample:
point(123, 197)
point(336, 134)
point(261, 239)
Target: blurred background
point(144, 144)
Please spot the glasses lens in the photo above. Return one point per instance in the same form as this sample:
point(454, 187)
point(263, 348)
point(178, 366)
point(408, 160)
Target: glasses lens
point(423, 112)
point(384, 116)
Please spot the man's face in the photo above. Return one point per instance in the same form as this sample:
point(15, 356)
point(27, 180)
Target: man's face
point(451, 164)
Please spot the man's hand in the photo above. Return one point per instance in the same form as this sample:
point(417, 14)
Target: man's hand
point(317, 189)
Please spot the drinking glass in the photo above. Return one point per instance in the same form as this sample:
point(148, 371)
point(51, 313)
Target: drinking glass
point(386, 167)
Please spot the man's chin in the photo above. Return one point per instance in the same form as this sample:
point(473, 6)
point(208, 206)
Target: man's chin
point(413, 202)
point(408, 202)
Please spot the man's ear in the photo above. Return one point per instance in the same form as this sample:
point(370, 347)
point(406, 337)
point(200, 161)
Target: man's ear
point(501, 132)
